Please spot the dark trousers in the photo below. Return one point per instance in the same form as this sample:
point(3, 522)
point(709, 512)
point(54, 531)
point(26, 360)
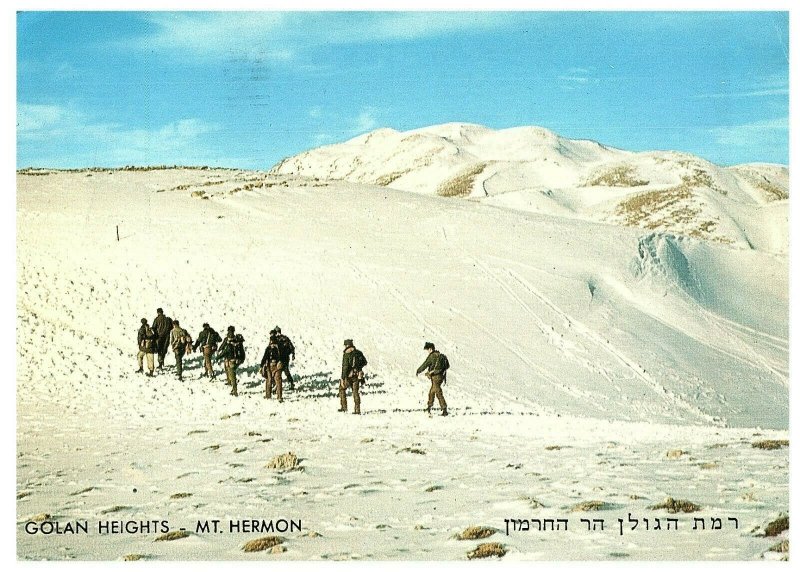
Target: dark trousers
point(288, 374)
point(179, 361)
point(353, 383)
point(162, 345)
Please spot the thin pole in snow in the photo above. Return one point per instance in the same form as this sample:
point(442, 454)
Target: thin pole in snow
point(117, 233)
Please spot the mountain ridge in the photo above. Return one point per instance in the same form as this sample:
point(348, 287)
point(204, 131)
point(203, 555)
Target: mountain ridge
point(533, 168)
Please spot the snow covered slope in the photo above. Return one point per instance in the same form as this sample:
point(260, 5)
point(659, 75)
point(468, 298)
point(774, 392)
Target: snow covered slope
point(534, 169)
point(595, 338)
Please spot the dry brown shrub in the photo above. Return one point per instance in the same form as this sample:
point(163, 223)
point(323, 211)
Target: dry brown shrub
point(476, 533)
point(133, 557)
point(180, 496)
point(672, 506)
point(675, 453)
point(782, 546)
point(487, 550)
point(285, 462)
point(777, 526)
point(174, 535)
point(41, 517)
point(263, 543)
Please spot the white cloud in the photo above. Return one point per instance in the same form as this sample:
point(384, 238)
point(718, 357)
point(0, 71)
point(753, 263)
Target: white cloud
point(81, 141)
point(280, 35)
point(753, 93)
point(577, 77)
point(322, 139)
point(32, 118)
point(769, 133)
point(366, 121)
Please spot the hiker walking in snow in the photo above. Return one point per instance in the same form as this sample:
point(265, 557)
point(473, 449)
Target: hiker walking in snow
point(232, 351)
point(181, 341)
point(353, 363)
point(437, 365)
point(163, 326)
point(286, 348)
point(208, 340)
point(146, 340)
point(271, 366)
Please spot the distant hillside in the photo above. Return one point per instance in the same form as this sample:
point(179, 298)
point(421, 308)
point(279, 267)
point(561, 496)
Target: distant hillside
point(534, 169)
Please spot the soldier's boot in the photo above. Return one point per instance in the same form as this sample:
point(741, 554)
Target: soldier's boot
point(149, 374)
point(427, 410)
point(444, 413)
point(140, 370)
point(356, 412)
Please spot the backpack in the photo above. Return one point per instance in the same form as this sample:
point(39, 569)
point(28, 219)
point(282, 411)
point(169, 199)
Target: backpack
point(359, 361)
point(238, 348)
point(286, 347)
point(443, 364)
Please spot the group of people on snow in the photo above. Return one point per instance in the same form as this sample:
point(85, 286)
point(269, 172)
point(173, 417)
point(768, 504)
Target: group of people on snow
point(154, 341)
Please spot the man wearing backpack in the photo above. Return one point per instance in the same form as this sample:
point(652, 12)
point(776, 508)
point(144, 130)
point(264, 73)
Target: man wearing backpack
point(286, 347)
point(437, 365)
point(353, 363)
point(163, 326)
point(146, 340)
point(271, 366)
point(179, 339)
point(208, 340)
point(232, 351)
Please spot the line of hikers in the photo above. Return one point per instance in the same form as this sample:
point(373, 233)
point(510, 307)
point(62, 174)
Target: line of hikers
point(165, 332)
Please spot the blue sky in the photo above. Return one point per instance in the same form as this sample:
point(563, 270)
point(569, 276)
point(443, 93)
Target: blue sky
point(245, 89)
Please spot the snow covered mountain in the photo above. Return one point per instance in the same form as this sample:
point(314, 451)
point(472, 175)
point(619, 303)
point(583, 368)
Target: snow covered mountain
point(591, 362)
point(534, 169)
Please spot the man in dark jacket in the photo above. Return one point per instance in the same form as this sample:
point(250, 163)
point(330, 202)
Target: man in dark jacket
point(163, 326)
point(232, 351)
point(146, 340)
point(208, 340)
point(271, 366)
point(353, 363)
point(436, 363)
point(287, 351)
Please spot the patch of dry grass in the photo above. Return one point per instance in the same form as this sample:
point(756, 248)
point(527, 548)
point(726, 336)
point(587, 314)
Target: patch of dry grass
point(263, 543)
point(476, 533)
point(461, 185)
point(389, 178)
point(588, 506)
point(673, 506)
point(174, 535)
point(619, 176)
point(177, 496)
point(411, 450)
point(487, 550)
point(134, 557)
point(771, 444)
